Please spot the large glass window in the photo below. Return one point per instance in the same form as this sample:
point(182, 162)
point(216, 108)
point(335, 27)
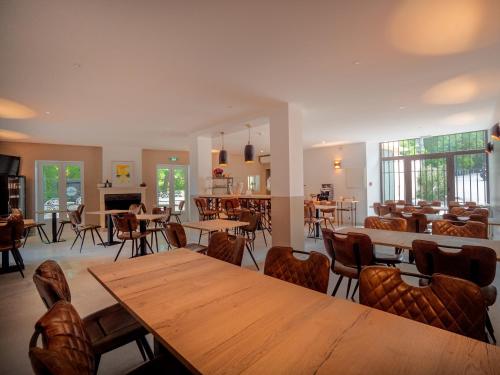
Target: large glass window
point(171, 185)
point(444, 168)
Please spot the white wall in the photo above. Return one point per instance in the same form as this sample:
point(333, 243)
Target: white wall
point(372, 175)
point(318, 169)
point(121, 153)
point(494, 166)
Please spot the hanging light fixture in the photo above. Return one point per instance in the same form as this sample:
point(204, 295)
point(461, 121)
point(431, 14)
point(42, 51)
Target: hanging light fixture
point(249, 149)
point(489, 147)
point(223, 160)
point(495, 132)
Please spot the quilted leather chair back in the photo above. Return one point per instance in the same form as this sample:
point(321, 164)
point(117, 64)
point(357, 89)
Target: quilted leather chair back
point(352, 250)
point(312, 273)
point(473, 263)
point(222, 247)
point(176, 234)
point(469, 229)
point(448, 303)
point(460, 211)
point(395, 224)
point(66, 346)
point(480, 218)
point(51, 283)
point(416, 223)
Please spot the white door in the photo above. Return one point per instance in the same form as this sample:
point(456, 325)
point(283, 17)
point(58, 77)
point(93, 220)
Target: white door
point(58, 186)
point(171, 185)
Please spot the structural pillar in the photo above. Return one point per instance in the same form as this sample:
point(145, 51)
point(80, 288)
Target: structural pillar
point(287, 176)
point(200, 170)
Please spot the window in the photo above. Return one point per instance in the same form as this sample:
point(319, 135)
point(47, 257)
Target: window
point(59, 186)
point(171, 185)
point(446, 167)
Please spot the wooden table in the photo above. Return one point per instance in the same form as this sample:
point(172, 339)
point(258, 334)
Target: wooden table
point(54, 222)
point(404, 239)
point(111, 241)
point(215, 225)
point(221, 319)
point(144, 219)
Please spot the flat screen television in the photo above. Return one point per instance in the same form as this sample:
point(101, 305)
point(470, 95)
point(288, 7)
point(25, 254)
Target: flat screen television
point(9, 165)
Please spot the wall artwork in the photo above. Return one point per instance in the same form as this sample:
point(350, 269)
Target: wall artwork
point(122, 173)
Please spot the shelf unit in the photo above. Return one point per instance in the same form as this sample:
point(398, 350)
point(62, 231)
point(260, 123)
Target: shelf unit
point(222, 185)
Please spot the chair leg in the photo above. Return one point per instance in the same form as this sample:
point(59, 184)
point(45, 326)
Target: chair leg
point(40, 228)
point(83, 240)
point(264, 235)
point(348, 287)
point(74, 241)
point(97, 360)
point(166, 240)
point(355, 289)
point(134, 243)
point(18, 263)
point(156, 239)
point(147, 348)
point(251, 255)
point(100, 238)
point(119, 251)
point(199, 238)
point(141, 349)
point(489, 328)
point(26, 234)
point(59, 231)
point(337, 285)
point(92, 233)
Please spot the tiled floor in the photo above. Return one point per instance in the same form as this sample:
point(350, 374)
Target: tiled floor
point(20, 305)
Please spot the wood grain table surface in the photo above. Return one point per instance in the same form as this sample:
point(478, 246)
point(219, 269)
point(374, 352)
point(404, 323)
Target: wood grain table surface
point(405, 239)
point(107, 212)
point(215, 225)
point(221, 319)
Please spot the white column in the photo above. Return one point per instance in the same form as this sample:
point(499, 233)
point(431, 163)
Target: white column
point(200, 168)
point(287, 176)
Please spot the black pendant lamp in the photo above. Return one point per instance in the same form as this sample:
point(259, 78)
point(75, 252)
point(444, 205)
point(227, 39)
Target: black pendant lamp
point(249, 149)
point(223, 159)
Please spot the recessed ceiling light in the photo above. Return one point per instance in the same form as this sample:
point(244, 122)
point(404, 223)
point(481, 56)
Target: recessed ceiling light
point(402, 107)
point(77, 65)
point(323, 142)
point(356, 62)
point(47, 113)
point(261, 151)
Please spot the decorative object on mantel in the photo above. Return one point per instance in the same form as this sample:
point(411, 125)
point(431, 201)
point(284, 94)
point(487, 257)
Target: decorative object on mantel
point(249, 149)
point(122, 173)
point(223, 157)
point(108, 184)
point(143, 184)
point(218, 172)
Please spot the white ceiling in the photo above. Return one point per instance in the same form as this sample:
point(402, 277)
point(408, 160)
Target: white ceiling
point(150, 73)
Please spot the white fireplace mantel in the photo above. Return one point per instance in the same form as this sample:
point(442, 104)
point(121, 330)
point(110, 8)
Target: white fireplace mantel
point(118, 190)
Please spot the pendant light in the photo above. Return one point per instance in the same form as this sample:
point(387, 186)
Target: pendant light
point(495, 132)
point(249, 149)
point(223, 160)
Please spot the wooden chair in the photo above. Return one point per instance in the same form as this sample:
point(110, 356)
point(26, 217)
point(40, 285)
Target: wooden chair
point(436, 203)
point(79, 229)
point(474, 263)
point(137, 208)
point(423, 203)
point(468, 229)
point(177, 237)
point(227, 248)
point(401, 202)
point(108, 328)
point(32, 224)
point(448, 303)
point(63, 222)
point(312, 273)
point(177, 214)
point(126, 230)
point(310, 219)
point(249, 231)
point(11, 233)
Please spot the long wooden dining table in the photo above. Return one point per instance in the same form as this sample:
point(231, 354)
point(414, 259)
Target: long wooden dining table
point(217, 318)
point(404, 240)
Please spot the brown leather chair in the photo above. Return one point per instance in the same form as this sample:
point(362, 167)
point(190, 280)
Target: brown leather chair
point(452, 204)
point(226, 248)
point(416, 223)
point(312, 273)
point(410, 208)
point(401, 202)
point(428, 210)
point(82, 229)
point(126, 230)
point(394, 224)
point(376, 208)
point(204, 212)
point(474, 263)
point(67, 347)
point(249, 231)
point(470, 204)
point(460, 211)
point(310, 218)
point(436, 203)
point(423, 203)
point(451, 217)
point(11, 233)
point(232, 208)
point(177, 237)
point(63, 222)
point(137, 208)
point(32, 224)
point(473, 229)
point(448, 303)
point(107, 329)
point(177, 214)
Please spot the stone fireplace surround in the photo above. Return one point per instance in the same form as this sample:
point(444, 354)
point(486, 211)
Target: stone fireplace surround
point(118, 196)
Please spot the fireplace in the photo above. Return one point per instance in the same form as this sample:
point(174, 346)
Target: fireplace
point(121, 201)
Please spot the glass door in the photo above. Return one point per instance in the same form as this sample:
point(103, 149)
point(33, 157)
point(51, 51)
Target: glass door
point(471, 180)
point(171, 185)
point(59, 186)
point(429, 179)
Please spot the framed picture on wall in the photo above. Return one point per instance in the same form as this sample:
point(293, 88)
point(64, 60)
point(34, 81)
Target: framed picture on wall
point(122, 173)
